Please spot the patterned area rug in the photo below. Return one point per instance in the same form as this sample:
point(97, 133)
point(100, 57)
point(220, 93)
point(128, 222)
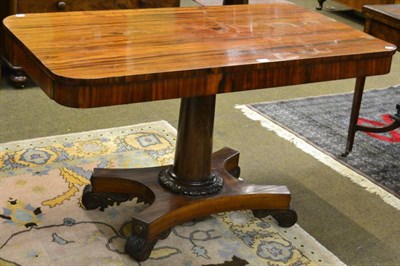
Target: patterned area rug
point(43, 223)
point(323, 122)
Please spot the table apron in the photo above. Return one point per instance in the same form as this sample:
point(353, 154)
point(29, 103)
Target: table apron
point(88, 96)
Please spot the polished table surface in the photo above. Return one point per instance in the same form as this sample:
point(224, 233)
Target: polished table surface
point(89, 59)
point(101, 58)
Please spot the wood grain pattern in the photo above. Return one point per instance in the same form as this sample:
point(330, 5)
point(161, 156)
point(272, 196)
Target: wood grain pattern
point(89, 59)
point(10, 7)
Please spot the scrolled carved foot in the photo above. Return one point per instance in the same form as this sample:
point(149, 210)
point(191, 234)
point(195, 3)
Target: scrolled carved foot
point(138, 248)
point(18, 78)
point(285, 218)
point(93, 200)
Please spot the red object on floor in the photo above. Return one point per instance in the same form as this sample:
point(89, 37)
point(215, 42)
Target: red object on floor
point(394, 134)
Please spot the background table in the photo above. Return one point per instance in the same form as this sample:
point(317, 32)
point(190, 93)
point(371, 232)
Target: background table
point(381, 21)
point(358, 4)
point(91, 59)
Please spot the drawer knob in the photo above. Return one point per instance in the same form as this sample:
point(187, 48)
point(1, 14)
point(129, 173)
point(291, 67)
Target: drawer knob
point(61, 5)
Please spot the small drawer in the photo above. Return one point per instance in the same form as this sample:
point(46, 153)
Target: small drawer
point(159, 3)
point(34, 6)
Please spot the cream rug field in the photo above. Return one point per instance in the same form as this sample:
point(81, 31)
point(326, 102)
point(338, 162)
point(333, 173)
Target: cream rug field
point(43, 223)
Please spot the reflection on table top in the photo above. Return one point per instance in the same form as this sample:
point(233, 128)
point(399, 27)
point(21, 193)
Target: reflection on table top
point(122, 46)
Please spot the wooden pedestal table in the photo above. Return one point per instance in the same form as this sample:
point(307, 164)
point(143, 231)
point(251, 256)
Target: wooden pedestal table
point(102, 58)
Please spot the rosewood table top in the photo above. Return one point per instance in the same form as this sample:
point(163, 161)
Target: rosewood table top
point(98, 58)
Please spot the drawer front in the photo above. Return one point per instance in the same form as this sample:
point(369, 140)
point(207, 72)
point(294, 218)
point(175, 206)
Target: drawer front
point(358, 4)
point(34, 6)
point(159, 3)
point(385, 32)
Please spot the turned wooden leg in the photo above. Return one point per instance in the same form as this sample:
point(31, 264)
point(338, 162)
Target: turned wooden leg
point(355, 111)
point(321, 4)
point(191, 173)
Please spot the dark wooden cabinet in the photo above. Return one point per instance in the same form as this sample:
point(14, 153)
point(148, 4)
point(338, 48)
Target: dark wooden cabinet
point(10, 7)
point(358, 4)
point(30, 6)
point(383, 22)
